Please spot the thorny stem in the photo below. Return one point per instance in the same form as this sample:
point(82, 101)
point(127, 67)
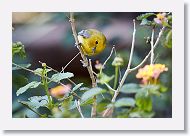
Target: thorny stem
point(85, 60)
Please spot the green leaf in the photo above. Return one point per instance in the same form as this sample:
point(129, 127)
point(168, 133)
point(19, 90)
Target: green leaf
point(22, 65)
point(85, 103)
point(143, 100)
point(152, 89)
point(168, 41)
point(67, 104)
point(130, 88)
point(92, 92)
point(130, 102)
point(40, 70)
point(103, 78)
point(60, 76)
point(163, 89)
point(145, 22)
point(103, 105)
point(145, 16)
point(18, 48)
point(36, 102)
point(77, 87)
point(141, 114)
point(23, 89)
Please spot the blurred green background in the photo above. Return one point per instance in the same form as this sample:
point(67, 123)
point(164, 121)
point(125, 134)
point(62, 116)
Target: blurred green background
point(48, 38)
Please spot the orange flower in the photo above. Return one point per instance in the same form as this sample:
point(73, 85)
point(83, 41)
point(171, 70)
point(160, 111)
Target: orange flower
point(151, 72)
point(60, 91)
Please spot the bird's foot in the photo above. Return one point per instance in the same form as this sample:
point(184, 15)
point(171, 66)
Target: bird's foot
point(84, 63)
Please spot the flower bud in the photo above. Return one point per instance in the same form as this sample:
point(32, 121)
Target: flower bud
point(118, 61)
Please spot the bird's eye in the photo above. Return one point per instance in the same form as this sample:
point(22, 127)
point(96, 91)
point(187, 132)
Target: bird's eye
point(96, 42)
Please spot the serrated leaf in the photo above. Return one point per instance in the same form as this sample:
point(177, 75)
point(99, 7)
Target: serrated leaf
point(130, 88)
point(144, 16)
point(40, 70)
point(92, 92)
point(36, 102)
point(77, 87)
point(22, 65)
point(23, 89)
point(60, 76)
point(130, 102)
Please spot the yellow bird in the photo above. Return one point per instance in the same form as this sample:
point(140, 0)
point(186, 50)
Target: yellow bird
point(92, 41)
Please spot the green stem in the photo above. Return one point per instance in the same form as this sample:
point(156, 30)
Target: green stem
point(116, 77)
point(50, 104)
point(45, 83)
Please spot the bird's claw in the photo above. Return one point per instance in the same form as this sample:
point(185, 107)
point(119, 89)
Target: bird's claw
point(84, 63)
point(79, 44)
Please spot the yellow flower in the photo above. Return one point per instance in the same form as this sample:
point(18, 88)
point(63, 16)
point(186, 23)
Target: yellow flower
point(60, 91)
point(160, 18)
point(151, 72)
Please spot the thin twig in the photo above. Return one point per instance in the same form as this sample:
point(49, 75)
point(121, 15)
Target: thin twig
point(152, 47)
point(85, 60)
point(69, 62)
point(109, 87)
point(132, 46)
point(35, 73)
point(113, 48)
point(77, 102)
point(129, 64)
point(132, 69)
point(146, 57)
point(59, 72)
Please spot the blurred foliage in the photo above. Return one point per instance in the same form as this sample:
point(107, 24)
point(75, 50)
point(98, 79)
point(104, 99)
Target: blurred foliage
point(134, 100)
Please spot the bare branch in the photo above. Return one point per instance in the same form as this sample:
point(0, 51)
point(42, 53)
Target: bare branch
point(113, 48)
point(77, 102)
point(146, 57)
point(152, 47)
point(128, 70)
point(132, 46)
point(69, 62)
point(89, 65)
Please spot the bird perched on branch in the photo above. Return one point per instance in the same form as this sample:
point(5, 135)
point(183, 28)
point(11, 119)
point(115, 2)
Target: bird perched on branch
point(92, 41)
